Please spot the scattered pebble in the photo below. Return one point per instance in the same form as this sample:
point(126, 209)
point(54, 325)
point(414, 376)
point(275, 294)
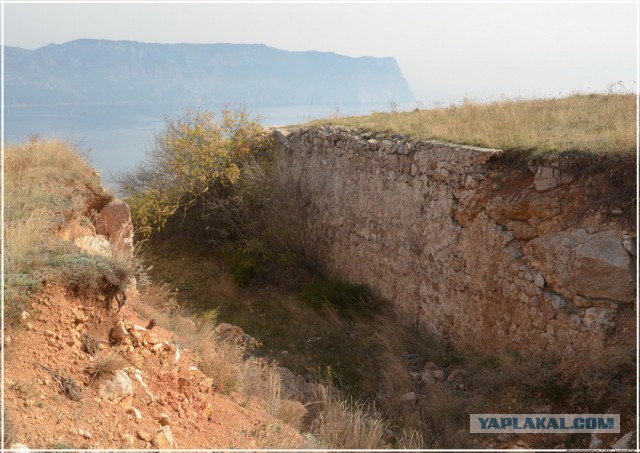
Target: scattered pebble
point(164, 419)
point(409, 397)
point(118, 332)
point(129, 440)
point(143, 435)
point(136, 413)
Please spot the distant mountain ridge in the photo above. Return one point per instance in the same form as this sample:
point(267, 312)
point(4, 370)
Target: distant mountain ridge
point(102, 71)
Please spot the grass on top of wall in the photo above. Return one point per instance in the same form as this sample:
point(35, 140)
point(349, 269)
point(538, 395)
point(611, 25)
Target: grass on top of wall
point(595, 123)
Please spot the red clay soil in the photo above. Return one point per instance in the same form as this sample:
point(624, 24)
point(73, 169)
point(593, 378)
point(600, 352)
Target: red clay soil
point(43, 416)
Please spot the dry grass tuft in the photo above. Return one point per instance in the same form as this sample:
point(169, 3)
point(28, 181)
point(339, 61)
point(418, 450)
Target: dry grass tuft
point(346, 424)
point(105, 365)
point(291, 412)
point(276, 436)
point(23, 237)
point(394, 380)
point(222, 360)
point(594, 123)
point(410, 440)
point(445, 416)
point(10, 431)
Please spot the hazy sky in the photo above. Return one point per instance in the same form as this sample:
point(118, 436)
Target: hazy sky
point(445, 51)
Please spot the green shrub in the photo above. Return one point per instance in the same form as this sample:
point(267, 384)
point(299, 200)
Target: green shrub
point(346, 297)
point(84, 273)
point(250, 259)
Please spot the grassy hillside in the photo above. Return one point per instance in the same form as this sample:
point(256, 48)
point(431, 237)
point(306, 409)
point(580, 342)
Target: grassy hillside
point(593, 123)
point(49, 185)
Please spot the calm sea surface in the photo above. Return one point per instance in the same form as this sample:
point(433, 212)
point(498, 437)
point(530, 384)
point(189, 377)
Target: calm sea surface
point(117, 135)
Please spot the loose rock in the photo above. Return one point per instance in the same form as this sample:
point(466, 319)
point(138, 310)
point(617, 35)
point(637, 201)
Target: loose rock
point(228, 331)
point(164, 419)
point(117, 388)
point(596, 442)
point(94, 245)
point(118, 333)
point(409, 397)
point(136, 413)
point(143, 435)
point(163, 439)
point(624, 443)
point(129, 441)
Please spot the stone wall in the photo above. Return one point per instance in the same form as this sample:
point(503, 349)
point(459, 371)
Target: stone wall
point(482, 248)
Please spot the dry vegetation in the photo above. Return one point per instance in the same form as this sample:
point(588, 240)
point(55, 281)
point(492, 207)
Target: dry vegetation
point(334, 421)
point(595, 123)
point(47, 184)
point(106, 365)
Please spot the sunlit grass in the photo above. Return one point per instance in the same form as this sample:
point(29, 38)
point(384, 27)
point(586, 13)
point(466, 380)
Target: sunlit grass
point(594, 123)
point(46, 185)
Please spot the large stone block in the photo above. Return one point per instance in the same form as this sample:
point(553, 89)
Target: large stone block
point(603, 268)
point(117, 388)
point(114, 222)
point(582, 264)
point(94, 245)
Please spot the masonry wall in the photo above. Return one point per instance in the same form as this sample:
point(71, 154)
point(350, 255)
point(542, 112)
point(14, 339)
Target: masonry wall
point(481, 248)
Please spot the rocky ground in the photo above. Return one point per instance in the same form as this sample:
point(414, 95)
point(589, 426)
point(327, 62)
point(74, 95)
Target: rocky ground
point(155, 398)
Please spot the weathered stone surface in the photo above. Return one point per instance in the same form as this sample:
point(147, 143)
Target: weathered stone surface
point(94, 245)
point(545, 179)
point(228, 331)
point(427, 377)
point(466, 245)
point(625, 442)
point(521, 230)
point(114, 222)
point(116, 388)
point(604, 268)
point(294, 386)
point(119, 332)
point(581, 264)
point(595, 442)
point(163, 440)
point(84, 433)
point(598, 319)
